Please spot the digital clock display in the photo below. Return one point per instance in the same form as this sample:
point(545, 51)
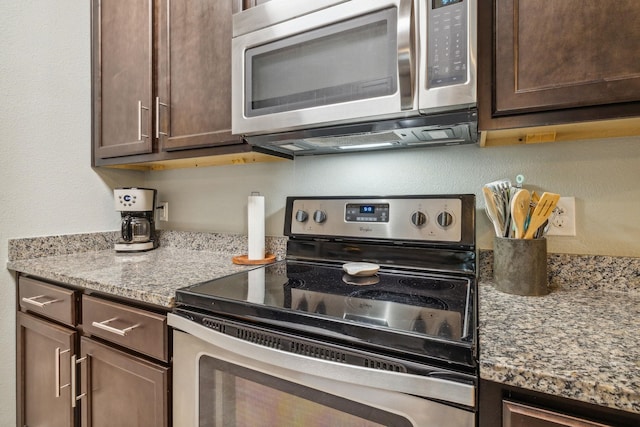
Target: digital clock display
point(367, 209)
point(441, 3)
point(367, 212)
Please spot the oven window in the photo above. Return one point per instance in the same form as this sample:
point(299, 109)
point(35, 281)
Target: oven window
point(234, 396)
point(347, 61)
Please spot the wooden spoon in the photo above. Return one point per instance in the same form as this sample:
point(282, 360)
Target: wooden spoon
point(541, 213)
point(519, 211)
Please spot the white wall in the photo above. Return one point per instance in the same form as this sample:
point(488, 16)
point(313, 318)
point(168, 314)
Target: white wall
point(47, 186)
point(603, 176)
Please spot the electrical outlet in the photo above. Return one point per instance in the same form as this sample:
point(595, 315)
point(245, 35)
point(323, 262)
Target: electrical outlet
point(164, 211)
point(563, 223)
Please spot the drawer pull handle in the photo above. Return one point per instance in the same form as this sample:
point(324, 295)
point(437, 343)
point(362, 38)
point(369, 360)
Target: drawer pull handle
point(32, 300)
point(74, 362)
point(57, 369)
point(105, 327)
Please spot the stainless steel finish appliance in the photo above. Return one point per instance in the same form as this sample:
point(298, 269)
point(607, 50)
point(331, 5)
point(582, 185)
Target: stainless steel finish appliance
point(137, 226)
point(301, 342)
point(346, 75)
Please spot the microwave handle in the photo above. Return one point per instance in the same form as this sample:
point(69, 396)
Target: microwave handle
point(406, 54)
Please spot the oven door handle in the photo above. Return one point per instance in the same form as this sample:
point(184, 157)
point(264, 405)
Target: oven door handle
point(240, 351)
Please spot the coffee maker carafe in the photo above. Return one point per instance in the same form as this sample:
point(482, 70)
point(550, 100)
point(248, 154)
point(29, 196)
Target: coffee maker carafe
point(137, 208)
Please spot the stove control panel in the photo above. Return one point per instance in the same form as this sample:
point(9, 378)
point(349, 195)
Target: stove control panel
point(440, 218)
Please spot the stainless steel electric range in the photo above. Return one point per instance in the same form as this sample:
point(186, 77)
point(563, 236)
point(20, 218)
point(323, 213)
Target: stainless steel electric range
point(370, 320)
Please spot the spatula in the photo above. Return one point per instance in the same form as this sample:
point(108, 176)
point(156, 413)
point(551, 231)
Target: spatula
point(541, 213)
point(519, 211)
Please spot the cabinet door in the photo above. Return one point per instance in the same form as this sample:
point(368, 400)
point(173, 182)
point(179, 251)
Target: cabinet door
point(44, 352)
point(121, 389)
point(544, 62)
point(193, 106)
point(122, 37)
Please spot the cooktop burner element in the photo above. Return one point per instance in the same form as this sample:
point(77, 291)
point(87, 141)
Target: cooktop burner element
point(419, 305)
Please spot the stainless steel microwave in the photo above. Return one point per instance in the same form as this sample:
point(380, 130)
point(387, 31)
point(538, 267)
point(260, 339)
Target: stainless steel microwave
point(333, 76)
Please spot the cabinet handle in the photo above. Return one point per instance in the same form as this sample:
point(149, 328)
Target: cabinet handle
point(140, 108)
point(74, 363)
point(105, 327)
point(158, 104)
point(57, 365)
point(32, 300)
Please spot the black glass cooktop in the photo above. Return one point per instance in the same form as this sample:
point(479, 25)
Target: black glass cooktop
point(413, 313)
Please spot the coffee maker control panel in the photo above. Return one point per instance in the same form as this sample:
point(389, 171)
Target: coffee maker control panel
point(133, 199)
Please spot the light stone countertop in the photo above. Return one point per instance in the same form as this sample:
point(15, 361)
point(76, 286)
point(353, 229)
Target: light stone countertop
point(580, 345)
point(150, 277)
point(582, 341)
point(88, 261)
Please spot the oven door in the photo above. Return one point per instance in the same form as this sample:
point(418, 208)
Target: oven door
point(220, 380)
point(349, 61)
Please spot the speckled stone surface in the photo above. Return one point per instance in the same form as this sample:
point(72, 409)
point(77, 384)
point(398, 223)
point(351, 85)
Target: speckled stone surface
point(581, 341)
point(152, 277)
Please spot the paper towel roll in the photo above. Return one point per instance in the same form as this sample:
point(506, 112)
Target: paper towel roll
point(255, 221)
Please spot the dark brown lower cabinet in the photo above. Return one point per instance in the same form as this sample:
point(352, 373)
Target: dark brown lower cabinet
point(90, 361)
point(44, 353)
point(120, 389)
point(507, 406)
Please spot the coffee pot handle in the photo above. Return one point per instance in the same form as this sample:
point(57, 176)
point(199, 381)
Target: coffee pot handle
point(127, 234)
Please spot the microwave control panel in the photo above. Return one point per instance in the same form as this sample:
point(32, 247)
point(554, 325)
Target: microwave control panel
point(448, 38)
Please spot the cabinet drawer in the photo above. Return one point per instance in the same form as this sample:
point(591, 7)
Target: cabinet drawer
point(48, 300)
point(516, 414)
point(134, 328)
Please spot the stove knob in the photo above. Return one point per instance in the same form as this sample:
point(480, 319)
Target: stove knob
point(445, 219)
point(319, 216)
point(418, 219)
point(301, 216)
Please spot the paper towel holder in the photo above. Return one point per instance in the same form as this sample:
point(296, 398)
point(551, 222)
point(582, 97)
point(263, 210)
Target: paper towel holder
point(244, 260)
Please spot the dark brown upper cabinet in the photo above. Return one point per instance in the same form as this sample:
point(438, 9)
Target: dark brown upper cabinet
point(123, 77)
point(162, 81)
point(544, 63)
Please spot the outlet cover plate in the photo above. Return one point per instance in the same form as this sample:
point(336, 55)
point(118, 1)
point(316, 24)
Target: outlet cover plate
point(563, 223)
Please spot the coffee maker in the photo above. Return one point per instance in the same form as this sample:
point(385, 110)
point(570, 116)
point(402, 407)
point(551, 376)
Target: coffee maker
point(137, 208)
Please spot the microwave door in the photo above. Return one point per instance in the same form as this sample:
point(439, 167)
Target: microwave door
point(332, 66)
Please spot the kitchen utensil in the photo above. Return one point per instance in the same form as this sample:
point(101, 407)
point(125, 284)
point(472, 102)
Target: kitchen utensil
point(520, 202)
point(541, 213)
point(362, 269)
point(492, 211)
point(501, 190)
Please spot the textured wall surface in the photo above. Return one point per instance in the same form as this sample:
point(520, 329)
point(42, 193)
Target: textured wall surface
point(47, 185)
point(602, 175)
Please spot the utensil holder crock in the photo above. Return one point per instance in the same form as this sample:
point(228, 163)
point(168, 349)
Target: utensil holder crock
point(520, 266)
